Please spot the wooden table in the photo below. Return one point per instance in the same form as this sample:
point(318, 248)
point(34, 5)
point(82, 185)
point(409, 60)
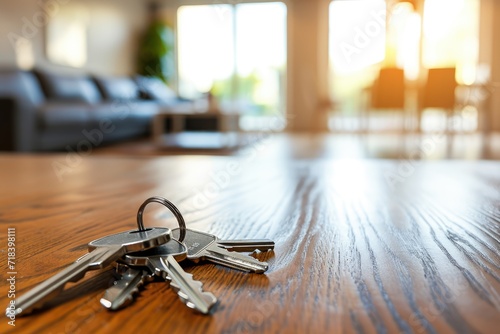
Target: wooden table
point(212, 130)
point(361, 245)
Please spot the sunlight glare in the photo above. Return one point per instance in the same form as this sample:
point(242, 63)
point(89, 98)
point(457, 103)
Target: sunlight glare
point(357, 34)
point(452, 39)
point(404, 38)
point(267, 34)
point(205, 49)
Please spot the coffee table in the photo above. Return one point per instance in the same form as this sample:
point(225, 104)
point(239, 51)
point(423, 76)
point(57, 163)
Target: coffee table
point(195, 130)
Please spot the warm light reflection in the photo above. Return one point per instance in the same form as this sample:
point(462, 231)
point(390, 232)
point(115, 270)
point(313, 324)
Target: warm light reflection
point(351, 179)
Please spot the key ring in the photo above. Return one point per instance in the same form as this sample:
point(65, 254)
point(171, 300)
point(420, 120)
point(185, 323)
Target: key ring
point(170, 206)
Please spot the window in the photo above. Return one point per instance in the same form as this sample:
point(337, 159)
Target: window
point(452, 39)
point(365, 35)
point(357, 34)
point(357, 44)
point(205, 48)
point(238, 53)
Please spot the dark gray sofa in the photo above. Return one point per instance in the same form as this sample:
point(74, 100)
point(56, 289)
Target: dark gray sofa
point(42, 111)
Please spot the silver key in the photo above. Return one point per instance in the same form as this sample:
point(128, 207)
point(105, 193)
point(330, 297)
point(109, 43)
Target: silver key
point(162, 261)
point(122, 293)
point(246, 245)
point(103, 252)
point(203, 246)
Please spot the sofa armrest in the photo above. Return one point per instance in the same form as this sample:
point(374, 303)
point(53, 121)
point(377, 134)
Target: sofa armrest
point(7, 124)
point(17, 125)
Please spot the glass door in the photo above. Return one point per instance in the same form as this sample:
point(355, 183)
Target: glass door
point(238, 54)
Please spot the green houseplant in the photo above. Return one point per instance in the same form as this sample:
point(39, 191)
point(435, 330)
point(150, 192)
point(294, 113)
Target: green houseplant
point(156, 52)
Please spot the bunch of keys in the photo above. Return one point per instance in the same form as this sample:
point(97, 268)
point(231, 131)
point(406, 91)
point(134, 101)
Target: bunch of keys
point(137, 269)
point(144, 254)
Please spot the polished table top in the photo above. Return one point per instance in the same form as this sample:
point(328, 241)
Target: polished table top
point(361, 245)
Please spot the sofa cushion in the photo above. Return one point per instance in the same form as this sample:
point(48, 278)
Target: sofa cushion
point(154, 89)
point(118, 88)
point(65, 116)
point(78, 88)
point(21, 86)
point(133, 113)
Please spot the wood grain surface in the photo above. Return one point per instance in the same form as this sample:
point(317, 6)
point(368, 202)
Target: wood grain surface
point(362, 246)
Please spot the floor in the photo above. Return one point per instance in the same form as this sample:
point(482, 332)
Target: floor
point(472, 146)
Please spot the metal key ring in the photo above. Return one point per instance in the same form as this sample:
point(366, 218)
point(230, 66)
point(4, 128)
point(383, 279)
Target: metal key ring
point(170, 206)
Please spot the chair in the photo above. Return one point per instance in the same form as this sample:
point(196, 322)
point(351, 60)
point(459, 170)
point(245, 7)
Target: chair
point(438, 92)
point(387, 92)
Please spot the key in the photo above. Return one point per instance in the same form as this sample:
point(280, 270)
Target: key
point(122, 293)
point(162, 261)
point(203, 247)
point(246, 245)
point(102, 252)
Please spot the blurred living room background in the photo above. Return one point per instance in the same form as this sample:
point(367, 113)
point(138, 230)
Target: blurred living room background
point(361, 78)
